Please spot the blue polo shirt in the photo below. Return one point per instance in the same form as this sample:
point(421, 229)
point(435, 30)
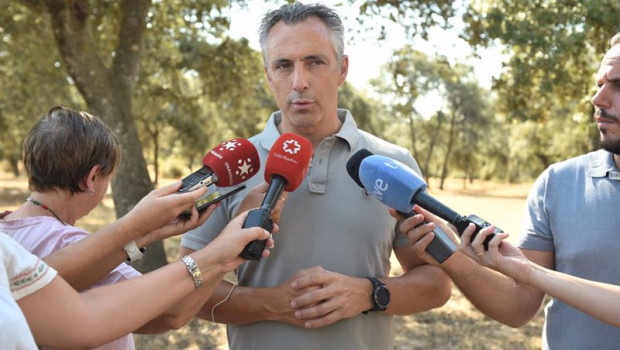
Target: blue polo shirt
point(574, 211)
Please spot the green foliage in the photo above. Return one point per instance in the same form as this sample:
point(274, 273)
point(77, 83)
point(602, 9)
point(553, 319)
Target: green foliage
point(368, 113)
point(415, 16)
point(555, 47)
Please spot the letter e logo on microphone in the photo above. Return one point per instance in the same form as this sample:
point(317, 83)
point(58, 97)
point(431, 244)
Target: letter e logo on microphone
point(379, 188)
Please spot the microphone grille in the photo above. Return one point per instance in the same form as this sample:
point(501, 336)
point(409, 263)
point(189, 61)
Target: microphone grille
point(353, 165)
point(289, 158)
point(233, 161)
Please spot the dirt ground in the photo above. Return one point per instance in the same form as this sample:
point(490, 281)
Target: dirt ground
point(456, 325)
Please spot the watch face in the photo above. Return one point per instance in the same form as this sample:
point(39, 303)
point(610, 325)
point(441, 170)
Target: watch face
point(383, 296)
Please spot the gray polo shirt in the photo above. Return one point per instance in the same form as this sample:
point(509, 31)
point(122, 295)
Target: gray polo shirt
point(327, 221)
point(573, 210)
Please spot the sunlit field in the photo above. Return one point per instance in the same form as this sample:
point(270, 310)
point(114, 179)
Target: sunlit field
point(456, 325)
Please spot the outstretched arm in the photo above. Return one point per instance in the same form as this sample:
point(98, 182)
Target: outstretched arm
point(599, 300)
point(60, 317)
point(496, 295)
point(87, 261)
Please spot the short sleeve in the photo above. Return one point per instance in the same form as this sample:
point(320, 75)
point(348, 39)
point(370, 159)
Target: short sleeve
point(26, 272)
point(536, 230)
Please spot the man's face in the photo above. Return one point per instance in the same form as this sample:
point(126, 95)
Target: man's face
point(304, 75)
point(607, 100)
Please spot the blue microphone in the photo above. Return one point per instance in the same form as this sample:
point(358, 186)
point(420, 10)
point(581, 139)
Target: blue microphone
point(398, 186)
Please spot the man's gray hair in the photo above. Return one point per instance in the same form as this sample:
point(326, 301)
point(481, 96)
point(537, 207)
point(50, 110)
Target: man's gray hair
point(295, 13)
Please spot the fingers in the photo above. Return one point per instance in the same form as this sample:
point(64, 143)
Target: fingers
point(168, 189)
point(411, 223)
point(328, 297)
point(198, 218)
point(427, 214)
point(320, 315)
point(478, 243)
point(257, 233)
point(277, 210)
point(260, 188)
point(309, 277)
point(421, 244)
point(396, 214)
point(466, 236)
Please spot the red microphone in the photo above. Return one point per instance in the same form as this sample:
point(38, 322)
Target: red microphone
point(228, 164)
point(287, 164)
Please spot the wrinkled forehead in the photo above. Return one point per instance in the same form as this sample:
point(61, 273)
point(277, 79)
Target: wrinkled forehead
point(610, 65)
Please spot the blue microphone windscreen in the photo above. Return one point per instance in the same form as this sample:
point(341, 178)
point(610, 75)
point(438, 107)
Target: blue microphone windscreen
point(390, 181)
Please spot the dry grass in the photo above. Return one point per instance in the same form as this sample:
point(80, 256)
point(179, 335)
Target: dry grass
point(456, 325)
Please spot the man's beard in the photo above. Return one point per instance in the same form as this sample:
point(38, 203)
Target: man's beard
point(610, 145)
point(607, 143)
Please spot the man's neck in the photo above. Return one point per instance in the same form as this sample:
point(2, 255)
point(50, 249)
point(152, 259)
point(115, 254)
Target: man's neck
point(314, 134)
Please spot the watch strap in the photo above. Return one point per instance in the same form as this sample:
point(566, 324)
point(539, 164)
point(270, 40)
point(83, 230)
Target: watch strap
point(376, 285)
point(133, 252)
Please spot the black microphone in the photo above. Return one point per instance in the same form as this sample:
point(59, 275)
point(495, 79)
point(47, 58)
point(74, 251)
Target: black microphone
point(285, 169)
point(396, 185)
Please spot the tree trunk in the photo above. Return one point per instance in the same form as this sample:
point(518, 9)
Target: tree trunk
point(413, 136)
point(107, 91)
point(156, 158)
point(431, 146)
point(14, 164)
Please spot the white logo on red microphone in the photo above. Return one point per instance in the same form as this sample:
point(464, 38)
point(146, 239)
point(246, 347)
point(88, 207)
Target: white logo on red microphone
point(230, 145)
point(244, 168)
point(291, 146)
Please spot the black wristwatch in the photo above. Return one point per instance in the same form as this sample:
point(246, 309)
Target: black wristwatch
point(379, 297)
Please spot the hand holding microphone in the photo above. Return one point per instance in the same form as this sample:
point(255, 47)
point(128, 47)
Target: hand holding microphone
point(441, 247)
point(285, 169)
point(228, 164)
point(399, 187)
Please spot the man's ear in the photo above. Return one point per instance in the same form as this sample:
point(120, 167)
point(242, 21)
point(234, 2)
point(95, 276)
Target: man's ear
point(267, 74)
point(344, 69)
point(89, 179)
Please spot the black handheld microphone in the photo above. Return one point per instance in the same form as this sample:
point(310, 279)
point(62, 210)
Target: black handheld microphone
point(285, 169)
point(396, 185)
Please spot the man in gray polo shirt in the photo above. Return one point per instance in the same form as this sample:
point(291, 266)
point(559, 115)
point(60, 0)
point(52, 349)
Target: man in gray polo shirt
point(331, 232)
point(571, 225)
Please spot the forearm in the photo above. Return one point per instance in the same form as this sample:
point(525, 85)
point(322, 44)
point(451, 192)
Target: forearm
point(182, 312)
point(599, 300)
point(496, 295)
point(60, 317)
point(245, 305)
point(87, 261)
point(420, 289)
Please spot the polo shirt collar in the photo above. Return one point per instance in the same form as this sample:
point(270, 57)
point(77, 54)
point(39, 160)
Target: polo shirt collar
point(603, 165)
point(347, 132)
